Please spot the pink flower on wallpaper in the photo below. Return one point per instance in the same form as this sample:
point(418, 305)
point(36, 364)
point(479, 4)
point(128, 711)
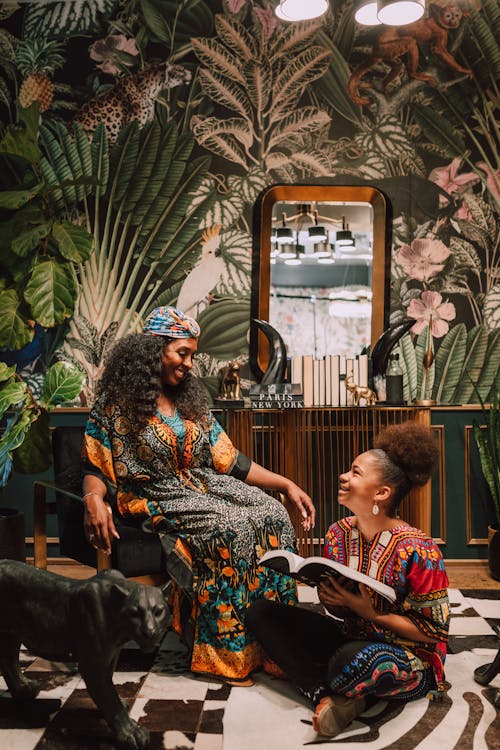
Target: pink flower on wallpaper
point(267, 18)
point(234, 6)
point(463, 212)
point(490, 179)
point(107, 53)
point(423, 259)
point(431, 309)
point(448, 179)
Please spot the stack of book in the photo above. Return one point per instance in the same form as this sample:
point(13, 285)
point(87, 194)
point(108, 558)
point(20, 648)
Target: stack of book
point(276, 396)
point(322, 381)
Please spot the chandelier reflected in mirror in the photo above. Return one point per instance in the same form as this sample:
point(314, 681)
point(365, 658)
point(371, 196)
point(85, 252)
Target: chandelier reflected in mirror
point(308, 235)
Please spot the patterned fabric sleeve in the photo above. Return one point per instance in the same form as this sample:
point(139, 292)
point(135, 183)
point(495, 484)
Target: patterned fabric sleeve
point(226, 458)
point(426, 603)
point(97, 458)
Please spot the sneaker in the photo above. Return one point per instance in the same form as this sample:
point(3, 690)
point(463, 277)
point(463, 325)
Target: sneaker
point(334, 713)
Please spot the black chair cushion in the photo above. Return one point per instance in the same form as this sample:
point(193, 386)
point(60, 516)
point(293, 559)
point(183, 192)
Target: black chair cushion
point(136, 553)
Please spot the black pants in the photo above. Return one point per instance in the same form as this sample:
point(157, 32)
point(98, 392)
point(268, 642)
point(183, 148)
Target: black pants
point(320, 659)
point(308, 646)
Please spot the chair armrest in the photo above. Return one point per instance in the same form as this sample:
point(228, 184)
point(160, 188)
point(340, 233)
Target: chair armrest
point(56, 488)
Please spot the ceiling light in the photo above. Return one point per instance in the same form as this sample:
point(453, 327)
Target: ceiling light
point(287, 251)
point(400, 12)
point(298, 10)
point(366, 13)
point(344, 236)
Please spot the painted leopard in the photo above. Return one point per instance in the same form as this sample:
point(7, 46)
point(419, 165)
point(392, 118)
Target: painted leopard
point(132, 98)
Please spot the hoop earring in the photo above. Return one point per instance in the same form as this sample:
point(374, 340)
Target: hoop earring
point(375, 509)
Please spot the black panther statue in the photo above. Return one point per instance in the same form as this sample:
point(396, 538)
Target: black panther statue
point(86, 621)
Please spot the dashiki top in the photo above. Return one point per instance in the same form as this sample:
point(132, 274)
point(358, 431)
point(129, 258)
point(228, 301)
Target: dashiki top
point(411, 563)
point(186, 479)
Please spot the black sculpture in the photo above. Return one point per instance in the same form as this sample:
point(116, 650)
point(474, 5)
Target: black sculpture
point(86, 621)
point(386, 342)
point(276, 368)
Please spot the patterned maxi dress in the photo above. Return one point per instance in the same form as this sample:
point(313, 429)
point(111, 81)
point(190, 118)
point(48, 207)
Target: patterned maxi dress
point(187, 481)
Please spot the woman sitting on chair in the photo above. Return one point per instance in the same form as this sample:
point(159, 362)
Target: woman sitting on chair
point(152, 444)
point(369, 651)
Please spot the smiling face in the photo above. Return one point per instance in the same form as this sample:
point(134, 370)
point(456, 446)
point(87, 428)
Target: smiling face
point(362, 485)
point(177, 360)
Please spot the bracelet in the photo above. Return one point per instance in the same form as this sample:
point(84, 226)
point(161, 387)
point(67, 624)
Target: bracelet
point(91, 493)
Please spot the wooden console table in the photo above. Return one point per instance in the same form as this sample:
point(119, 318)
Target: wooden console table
point(313, 446)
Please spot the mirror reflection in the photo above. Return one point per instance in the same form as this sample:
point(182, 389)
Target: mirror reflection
point(321, 262)
point(321, 276)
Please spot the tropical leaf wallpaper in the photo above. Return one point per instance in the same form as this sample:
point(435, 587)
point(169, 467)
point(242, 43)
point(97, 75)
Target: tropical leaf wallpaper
point(136, 136)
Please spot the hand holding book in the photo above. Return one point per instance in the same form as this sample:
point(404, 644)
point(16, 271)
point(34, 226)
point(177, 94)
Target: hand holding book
point(338, 599)
point(313, 570)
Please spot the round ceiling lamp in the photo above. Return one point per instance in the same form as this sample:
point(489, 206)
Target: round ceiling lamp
point(344, 236)
point(366, 13)
point(298, 10)
point(400, 12)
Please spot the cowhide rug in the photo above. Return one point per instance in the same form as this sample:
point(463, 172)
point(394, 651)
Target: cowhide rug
point(187, 713)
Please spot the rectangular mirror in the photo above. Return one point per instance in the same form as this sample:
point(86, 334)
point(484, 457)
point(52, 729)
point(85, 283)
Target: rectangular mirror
point(321, 262)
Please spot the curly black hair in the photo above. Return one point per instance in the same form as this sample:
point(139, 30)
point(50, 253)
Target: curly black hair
point(132, 380)
point(407, 455)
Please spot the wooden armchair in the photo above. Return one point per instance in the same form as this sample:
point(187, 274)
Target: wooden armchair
point(137, 554)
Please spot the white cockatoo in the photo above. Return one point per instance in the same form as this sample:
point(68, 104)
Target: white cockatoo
point(204, 276)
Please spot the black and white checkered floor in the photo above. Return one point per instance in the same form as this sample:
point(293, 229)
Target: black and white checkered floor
point(187, 713)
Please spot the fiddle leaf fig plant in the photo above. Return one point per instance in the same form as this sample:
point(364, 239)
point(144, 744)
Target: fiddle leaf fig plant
point(25, 439)
point(41, 243)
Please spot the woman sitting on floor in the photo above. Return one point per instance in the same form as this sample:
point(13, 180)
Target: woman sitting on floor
point(153, 445)
point(386, 651)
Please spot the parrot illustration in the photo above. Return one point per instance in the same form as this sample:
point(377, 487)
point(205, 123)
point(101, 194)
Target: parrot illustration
point(204, 276)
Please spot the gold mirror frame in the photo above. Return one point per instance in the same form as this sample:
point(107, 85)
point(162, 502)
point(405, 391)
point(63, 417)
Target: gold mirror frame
point(261, 269)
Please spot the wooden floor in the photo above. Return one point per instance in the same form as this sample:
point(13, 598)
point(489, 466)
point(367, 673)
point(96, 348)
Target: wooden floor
point(462, 575)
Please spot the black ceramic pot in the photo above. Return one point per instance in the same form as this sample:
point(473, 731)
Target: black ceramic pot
point(494, 550)
point(12, 535)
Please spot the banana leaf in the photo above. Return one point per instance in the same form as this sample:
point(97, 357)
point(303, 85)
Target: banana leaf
point(449, 364)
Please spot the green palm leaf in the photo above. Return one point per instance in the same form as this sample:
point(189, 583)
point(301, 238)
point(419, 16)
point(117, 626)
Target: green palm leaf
point(487, 382)
point(439, 130)
point(410, 368)
point(476, 347)
point(100, 159)
point(122, 160)
point(333, 85)
point(153, 160)
point(449, 363)
point(486, 33)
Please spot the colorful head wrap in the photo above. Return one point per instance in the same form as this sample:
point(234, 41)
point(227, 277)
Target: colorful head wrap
point(168, 321)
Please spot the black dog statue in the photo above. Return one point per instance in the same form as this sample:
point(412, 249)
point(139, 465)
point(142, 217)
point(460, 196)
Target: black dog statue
point(86, 621)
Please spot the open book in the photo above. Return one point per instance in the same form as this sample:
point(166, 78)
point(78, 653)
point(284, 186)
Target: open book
point(311, 570)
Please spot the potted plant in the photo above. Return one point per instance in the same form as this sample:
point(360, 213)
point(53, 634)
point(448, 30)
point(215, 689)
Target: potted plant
point(487, 437)
point(25, 437)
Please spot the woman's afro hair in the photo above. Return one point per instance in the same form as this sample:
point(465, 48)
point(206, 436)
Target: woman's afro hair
point(412, 447)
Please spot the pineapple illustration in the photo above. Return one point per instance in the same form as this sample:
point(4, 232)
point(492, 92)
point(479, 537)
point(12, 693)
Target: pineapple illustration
point(37, 59)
